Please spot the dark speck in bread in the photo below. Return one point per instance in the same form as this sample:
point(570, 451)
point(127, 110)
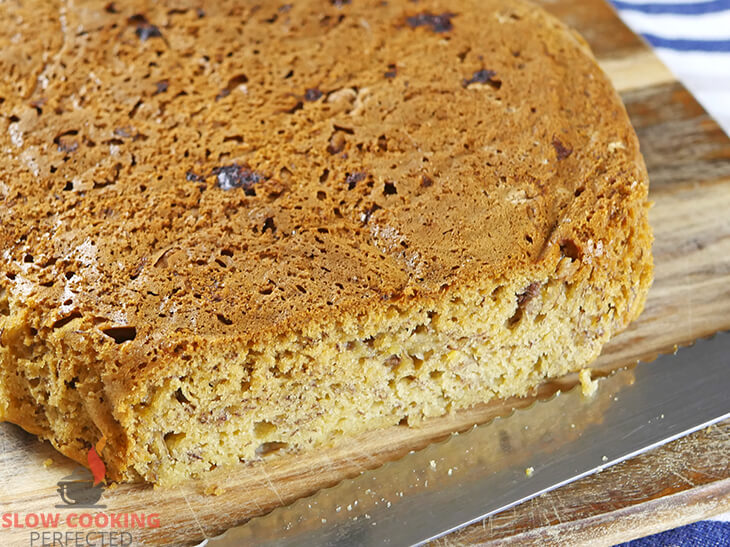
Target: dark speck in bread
point(437, 23)
point(233, 176)
point(483, 76)
point(161, 86)
point(561, 150)
point(193, 177)
point(312, 94)
point(353, 178)
point(144, 29)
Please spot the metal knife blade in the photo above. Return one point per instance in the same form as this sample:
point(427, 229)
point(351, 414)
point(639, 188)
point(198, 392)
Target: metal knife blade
point(503, 463)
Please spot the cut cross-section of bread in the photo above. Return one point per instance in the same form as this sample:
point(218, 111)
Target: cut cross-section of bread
point(257, 227)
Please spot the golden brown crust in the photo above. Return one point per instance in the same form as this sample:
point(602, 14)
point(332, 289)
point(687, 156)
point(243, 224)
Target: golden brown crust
point(179, 181)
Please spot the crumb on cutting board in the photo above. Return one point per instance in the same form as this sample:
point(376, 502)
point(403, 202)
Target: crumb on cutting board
point(213, 490)
point(588, 385)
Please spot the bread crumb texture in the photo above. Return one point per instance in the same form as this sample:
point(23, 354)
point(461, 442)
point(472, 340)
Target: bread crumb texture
point(260, 227)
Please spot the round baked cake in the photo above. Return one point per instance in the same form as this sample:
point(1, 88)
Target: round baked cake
point(236, 228)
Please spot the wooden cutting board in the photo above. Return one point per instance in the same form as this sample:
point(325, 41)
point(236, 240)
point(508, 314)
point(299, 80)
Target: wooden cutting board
point(688, 157)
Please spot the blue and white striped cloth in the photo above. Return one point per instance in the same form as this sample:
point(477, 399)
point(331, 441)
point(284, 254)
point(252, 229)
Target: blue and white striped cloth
point(706, 533)
point(693, 39)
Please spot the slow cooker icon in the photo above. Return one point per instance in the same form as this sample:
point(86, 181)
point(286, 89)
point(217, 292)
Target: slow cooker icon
point(78, 490)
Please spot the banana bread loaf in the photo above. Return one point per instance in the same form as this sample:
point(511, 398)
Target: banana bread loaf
point(232, 228)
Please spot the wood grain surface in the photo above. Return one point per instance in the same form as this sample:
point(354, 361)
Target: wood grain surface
point(681, 482)
point(688, 157)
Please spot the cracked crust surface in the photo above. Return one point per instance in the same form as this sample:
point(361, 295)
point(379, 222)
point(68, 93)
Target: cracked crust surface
point(227, 215)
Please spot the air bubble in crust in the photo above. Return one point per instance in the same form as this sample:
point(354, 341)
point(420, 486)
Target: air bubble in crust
point(121, 334)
